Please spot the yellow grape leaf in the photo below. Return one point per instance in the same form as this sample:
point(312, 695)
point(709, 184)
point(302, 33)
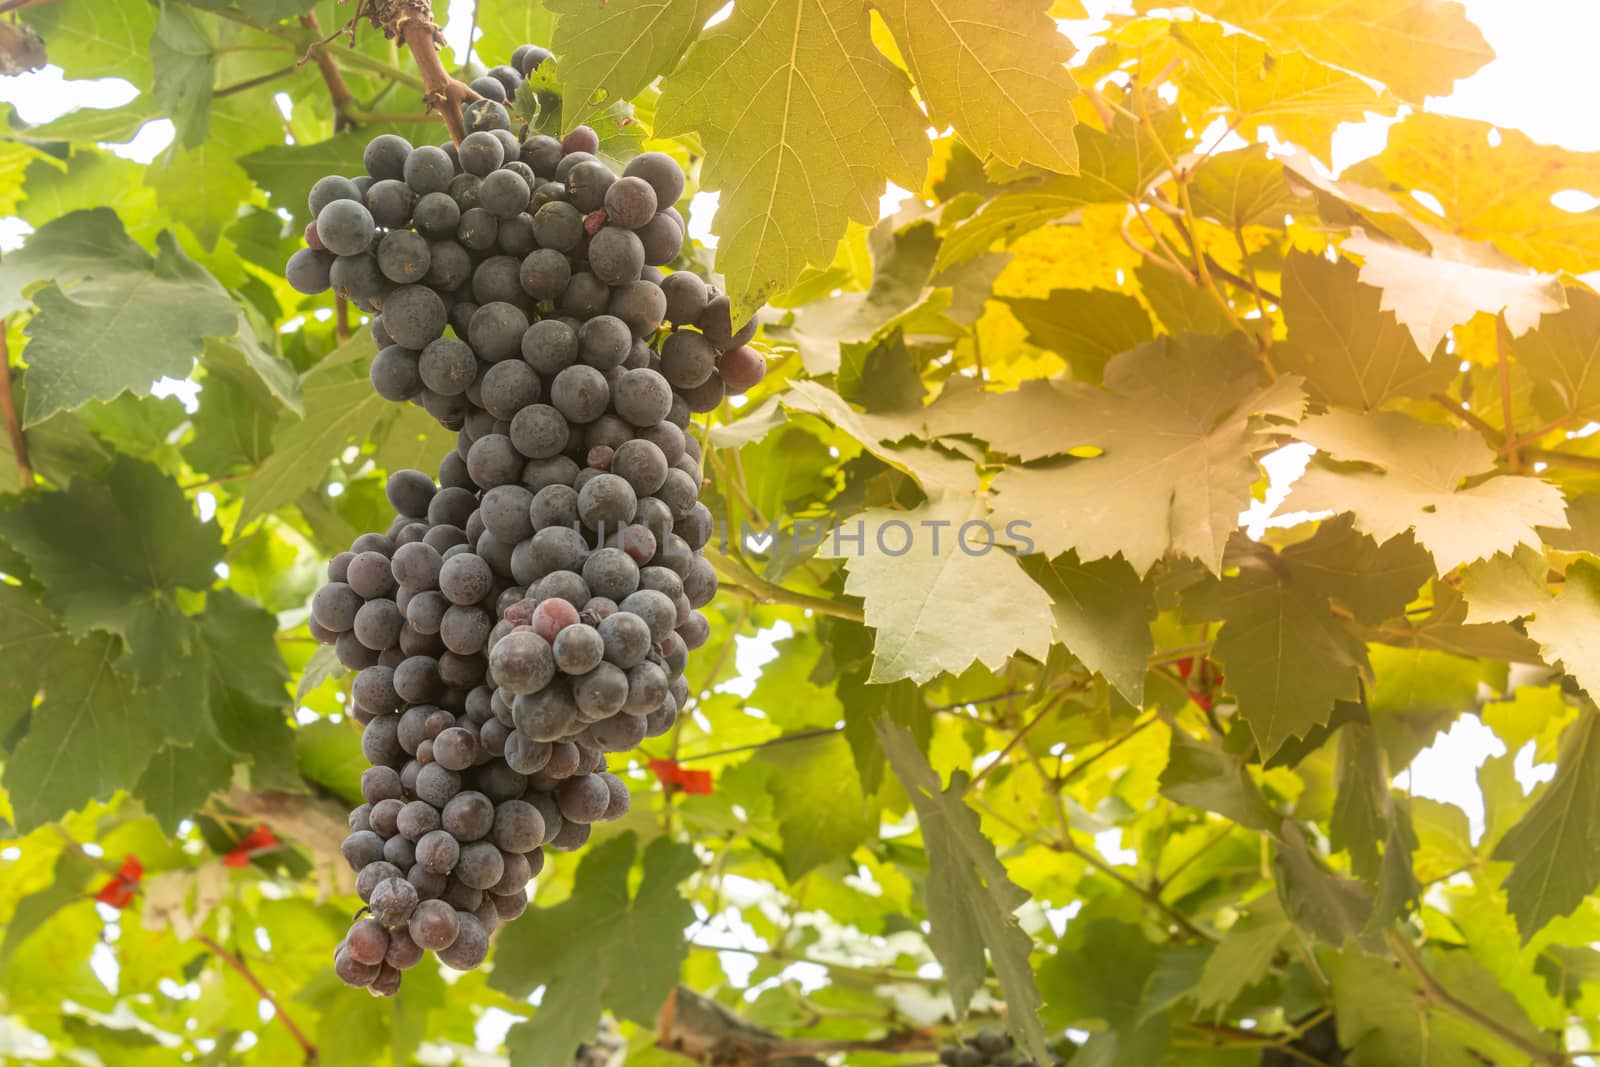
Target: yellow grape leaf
point(1418, 484)
point(1506, 586)
point(1565, 351)
point(1431, 293)
point(802, 120)
point(1350, 351)
point(1303, 100)
point(1168, 450)
point(1113, 168)
point(996, 71)
point(932, 469)
point(918, 570)
point(1416, 47)
point(1495, 185)
point(1568, 627)
point(1242, 188)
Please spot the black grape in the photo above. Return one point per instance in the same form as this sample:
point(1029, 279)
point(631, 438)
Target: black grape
point(489, 88)
point(428, 169)
point(309, 270)
point(616, 255)
point(414, 315)
point(630, 202)
point(486, 115)
point(436, 215)
point(581, 139)
point(404, 256)
point(504, 194)
point(545, 272)
point(662, 238)
point(587, 185)
point(496, 330)
point(329, 189)
point(663, 174)
point(559, 226)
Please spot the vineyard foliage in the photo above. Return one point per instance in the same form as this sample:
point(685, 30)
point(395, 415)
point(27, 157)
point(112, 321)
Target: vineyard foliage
point(1005, 711)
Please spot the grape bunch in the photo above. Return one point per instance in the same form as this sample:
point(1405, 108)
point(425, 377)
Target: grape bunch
point(532, 610)
point(509, 274)
point(989, 1047)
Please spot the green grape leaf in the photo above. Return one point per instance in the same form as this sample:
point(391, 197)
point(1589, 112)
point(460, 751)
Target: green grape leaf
point(60, 448)
point(95, 731)
point(611, 49)
point(863, 705)
point(179, 778)
point(1350, 351)
point(769, 91)
point(263, 11)
point(1416, 47)
point(233, 428)
point(1242, 188)
point(1430, 293)
point(1244, 955)
point(185, 66)
point(902, 265)
point(971, 900)
point(1568, 627)
point(1177, 428)
point(29, 635)
point(996, 71)
point(112, 556)
point(1102, 615)
point(1331, 907)
point(340, 407)
point(880, 377)
point(71, 874)
point(503, 25)
point(202, 187)
point(241, 638)
point(98, 38)
point(287, 171)
point(933, 469)
point(1206, 776)
point(917, 569)
point(1565, 350)
point(1301, 100)
point(1361, 805)
point(1364, 817)
point(1286, 654)
point(155, 322)
point(600, 949)
point(1418, 485)
point(1554, 848)
point(91, 125)
point(68, 249)
point(1086, 327)
point(1099, 981)
point(1384, 1016)
point(823, 817)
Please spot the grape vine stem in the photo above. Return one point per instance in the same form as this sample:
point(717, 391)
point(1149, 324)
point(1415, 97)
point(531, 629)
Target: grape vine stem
point(8, 406)
point(338, 91)
point(248, 975)
point(412, 22)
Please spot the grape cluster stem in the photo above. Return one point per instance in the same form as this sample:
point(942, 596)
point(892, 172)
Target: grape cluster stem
point(411, 21)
